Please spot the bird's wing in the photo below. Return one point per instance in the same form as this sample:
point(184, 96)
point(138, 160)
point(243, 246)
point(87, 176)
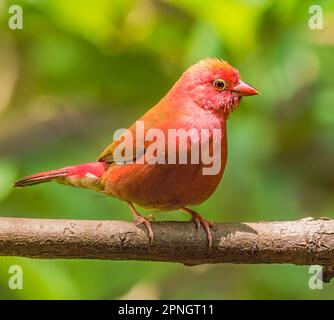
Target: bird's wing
point(159, 117)
point(109, 155)
point(154, 118)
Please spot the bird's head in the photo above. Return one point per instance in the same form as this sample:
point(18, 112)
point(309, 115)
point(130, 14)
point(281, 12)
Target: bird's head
point(215, 84)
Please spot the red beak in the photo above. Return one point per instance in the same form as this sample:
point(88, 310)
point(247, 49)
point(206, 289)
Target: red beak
point(244, 89)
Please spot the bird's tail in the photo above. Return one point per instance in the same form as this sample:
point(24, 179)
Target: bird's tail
point(85, 175)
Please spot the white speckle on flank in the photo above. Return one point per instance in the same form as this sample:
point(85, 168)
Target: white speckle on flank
point(90, 176)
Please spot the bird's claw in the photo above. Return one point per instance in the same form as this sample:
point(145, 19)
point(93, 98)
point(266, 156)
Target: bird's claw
point(144, 220)
point(199, 220)
point(139, 219)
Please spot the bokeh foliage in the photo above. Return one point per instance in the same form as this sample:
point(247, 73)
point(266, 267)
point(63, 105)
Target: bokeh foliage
point(81, 69)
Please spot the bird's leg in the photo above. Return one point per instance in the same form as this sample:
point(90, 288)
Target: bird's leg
point(139, 219)
point(199, 220)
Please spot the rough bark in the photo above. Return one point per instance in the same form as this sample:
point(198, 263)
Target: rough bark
point(302, 242)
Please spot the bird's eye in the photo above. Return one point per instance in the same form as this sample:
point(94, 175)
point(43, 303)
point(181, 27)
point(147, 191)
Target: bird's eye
point(219, 84)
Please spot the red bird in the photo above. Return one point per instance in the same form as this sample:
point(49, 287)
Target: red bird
point(202, 98)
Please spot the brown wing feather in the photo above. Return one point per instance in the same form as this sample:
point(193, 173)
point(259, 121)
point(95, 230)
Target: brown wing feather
point(154, 118)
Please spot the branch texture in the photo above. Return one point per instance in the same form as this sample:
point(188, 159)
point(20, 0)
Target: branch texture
point(303, 242)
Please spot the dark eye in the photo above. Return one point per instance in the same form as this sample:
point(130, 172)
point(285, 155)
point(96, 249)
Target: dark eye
point(219, 84)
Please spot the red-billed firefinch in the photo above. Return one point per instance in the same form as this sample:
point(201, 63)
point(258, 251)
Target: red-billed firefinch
point(202, 98)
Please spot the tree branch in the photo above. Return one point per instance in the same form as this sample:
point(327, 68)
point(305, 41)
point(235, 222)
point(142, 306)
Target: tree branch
point(303, 242)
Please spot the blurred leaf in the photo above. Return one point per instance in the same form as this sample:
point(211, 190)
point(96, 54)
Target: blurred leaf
point(204, 42)
point(81, 69)
point(7, 177)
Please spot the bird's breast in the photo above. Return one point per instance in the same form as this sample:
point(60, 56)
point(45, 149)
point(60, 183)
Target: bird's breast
point(169, 186)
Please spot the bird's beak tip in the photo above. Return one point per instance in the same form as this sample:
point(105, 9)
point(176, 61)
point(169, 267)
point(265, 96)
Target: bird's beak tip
point(244, 89)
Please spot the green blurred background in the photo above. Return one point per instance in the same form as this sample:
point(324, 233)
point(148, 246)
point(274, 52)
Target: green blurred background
point(81, 69)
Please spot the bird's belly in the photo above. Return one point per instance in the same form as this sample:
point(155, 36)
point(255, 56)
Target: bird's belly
point(172, 186)
point(161, 186)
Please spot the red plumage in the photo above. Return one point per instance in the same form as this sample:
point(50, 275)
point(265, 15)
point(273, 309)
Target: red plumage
point(93, 170)
point(202, 98)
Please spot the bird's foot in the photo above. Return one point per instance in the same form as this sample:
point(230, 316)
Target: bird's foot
point(199, 220)
point(139, 219)
point(143, 220)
